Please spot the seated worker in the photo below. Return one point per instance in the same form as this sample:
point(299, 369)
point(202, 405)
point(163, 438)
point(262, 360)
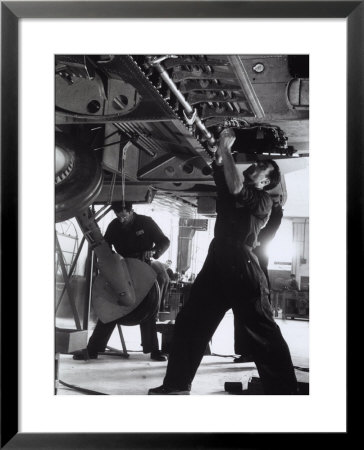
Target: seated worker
point(231, 278)
point(163, 281)
point(133, 236)
point(172, 276)
point(264, 238)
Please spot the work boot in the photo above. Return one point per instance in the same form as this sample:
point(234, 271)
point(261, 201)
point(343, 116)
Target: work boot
point(163, 390)
point(157, 355)
point(84, 355)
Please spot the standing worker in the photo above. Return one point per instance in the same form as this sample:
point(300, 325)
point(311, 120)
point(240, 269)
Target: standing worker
point(292, 284)
point(243, 207)
point(133, 236)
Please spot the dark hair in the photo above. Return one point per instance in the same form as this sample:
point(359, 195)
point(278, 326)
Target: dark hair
point(274, 175)
point(119, 206)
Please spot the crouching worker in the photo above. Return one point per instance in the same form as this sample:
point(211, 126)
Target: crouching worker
point(243, 207)
point(132, 236)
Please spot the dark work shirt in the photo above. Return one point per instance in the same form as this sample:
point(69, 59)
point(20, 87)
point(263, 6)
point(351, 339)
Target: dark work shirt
point(240, 216)
point(269, 231)
point(266, 235)
point(292, 285)
point(142, 235)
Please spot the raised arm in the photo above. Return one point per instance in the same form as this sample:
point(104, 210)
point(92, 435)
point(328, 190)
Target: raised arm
point(234, 179)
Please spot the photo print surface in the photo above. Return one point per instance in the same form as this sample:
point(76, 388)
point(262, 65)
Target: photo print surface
point(182, 224)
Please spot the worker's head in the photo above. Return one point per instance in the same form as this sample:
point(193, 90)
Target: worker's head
point(264, 174)
point(124, 211)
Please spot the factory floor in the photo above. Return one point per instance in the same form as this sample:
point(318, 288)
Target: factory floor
point(134, 375)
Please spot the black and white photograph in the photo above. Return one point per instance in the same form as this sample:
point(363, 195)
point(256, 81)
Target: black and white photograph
point(182, 224)
point(181, 199)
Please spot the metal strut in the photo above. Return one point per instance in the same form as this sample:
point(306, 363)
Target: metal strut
point(189, 111)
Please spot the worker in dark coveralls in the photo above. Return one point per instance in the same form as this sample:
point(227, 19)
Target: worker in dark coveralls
point(264, 238)
point(232, 278)
point(133, 236)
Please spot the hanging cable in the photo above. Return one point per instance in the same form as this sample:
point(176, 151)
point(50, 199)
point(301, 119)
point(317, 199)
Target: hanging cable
point(123, 175)
point(111, 193)
point(81, 389)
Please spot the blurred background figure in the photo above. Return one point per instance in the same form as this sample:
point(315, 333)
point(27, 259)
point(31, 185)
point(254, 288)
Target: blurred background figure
point(292, 284)
point(172, 275)
point(163, 281)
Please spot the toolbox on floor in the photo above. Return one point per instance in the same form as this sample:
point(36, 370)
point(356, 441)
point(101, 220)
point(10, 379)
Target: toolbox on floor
point(70, 340)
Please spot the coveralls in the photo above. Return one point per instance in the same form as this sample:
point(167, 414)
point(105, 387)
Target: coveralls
point(132, 241)
point(232, 278)
point(265, 236)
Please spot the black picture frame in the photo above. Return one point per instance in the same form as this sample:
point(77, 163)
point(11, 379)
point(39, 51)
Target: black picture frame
point(11, 13)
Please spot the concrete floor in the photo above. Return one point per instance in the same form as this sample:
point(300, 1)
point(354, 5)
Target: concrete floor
point(114, 375)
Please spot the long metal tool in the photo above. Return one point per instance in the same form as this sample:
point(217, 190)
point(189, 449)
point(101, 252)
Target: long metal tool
point(156, 62)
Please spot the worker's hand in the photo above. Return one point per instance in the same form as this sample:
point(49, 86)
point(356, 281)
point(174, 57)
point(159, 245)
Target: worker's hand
point(149, 255)
point(227, 139)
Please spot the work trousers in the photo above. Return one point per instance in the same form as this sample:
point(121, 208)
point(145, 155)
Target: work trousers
point(230, 278)
point(240, 344)
point(103, 331)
